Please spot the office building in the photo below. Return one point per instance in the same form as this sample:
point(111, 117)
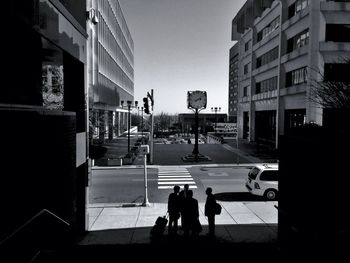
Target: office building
point(233, 85)
point(285, 47)
point(43, 113)
point(110, 68)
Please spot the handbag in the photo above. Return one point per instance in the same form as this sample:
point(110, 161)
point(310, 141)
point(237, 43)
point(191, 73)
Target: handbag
point(217, 209)
point(197, 227)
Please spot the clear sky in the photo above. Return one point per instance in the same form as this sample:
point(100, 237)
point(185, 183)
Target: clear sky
point(180, 46)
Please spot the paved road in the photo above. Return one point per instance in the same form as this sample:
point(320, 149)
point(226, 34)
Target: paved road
point(126, 185)
point(171, 154)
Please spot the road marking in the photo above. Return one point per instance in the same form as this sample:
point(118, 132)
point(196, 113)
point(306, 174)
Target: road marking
point(168, 177)
point(174, 172)
point(175, 176)
point(171, 187)
point(218, 174)
point(176, 182)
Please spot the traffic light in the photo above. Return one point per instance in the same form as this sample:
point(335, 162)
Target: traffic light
point(145, 105)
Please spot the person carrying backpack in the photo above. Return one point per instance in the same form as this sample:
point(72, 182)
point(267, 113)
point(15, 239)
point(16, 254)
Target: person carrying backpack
point(210, 210)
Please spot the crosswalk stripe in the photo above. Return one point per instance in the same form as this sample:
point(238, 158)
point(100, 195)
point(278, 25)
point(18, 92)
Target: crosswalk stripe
point(177, 182)
point(168, 177)
point(171, 187)
point(174, 173)
point(176, 178)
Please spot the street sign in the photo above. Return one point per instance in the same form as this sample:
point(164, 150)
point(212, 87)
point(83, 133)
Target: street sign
point(144, 149)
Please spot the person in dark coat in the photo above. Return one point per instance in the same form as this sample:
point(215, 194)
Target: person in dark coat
point(173, 210)
point(209, 211)
point(190, 213)
point(183, 195)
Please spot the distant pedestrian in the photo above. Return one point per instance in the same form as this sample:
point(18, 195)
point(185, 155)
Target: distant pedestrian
point(189, 141)
point(173, 210)
point(190, 214)
point(182, 196)
point(209, 211)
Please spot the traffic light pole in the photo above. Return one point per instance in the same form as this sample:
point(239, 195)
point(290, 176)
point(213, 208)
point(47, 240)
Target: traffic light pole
point(152, 128)
point(150, 111)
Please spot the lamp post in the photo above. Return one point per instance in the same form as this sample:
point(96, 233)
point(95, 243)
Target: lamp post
point(215, 110)
point(129, 107)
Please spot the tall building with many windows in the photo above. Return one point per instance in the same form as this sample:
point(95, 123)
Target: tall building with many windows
point(233, 84)
point(284, 48)
point(110, 68)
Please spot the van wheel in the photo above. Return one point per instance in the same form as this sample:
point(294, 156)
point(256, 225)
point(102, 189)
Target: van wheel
point(270, 194)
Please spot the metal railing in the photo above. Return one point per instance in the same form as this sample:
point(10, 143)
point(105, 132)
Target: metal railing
point(28, 238)
point(14, 233)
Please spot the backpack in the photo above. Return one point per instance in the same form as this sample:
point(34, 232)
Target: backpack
point(217, 209)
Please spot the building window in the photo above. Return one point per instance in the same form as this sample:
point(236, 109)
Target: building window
point(337, 72)
point(245, 69)
point(338, 32)
point(245, 91)
point(296, 7)
point(296, 77)
point(246, 45)
point(298, 41)
point(268, 29)
point(267, 57)
point(266, 85)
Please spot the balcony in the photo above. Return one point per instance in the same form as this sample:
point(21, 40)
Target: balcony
point(335, 6)
point(334, 46)
point(265, 95)
point(295, 54)
point(293, 90)
point(273, 64)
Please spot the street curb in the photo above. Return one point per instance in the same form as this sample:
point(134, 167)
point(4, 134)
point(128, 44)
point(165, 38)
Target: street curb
point(117, 205)
point(243, 165)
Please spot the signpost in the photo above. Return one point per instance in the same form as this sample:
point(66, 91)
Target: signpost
point(144, 150)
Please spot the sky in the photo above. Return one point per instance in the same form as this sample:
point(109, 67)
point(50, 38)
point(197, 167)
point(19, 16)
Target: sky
point(180, 46)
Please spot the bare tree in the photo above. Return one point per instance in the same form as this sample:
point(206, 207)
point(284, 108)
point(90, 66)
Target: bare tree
point(331, 94)
point(164, 121)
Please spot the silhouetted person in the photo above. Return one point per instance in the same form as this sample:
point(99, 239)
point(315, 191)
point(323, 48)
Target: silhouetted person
point(183, 195)
point(190, 213)
point(173, 210)
point(209, 210)
point(189, 141)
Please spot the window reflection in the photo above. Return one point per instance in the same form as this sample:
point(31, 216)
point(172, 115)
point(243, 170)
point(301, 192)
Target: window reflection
point(52, 77)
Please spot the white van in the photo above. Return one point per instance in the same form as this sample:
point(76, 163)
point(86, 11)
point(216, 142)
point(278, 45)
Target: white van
point(262, 180)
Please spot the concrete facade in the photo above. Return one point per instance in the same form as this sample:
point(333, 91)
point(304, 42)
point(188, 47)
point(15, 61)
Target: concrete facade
point(283, 50)
point(110, 68)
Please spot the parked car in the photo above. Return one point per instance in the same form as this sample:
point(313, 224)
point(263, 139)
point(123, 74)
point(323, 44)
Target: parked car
point(262, 180)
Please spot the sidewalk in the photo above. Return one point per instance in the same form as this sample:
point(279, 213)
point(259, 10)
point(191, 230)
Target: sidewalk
point(239, 222)
point(254, 150)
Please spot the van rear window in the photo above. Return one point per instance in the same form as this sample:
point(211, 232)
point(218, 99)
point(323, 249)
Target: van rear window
point(253, 173)
point(269, 176)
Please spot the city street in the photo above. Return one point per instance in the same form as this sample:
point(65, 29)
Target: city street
point(126, 185)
